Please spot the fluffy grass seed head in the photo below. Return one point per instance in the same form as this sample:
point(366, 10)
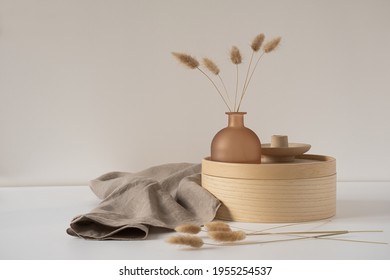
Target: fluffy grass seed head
point(217, 226)
point(188, 228)
point(257, 42)
point(271, 45)
point(211, 66)
point(235, 55)
point(227, 236)
point(188, 240)
point(186, 59)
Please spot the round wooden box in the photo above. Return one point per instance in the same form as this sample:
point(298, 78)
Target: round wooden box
point(303, 190)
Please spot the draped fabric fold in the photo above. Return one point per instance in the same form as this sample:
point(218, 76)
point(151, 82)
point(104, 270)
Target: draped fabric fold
point(162, 196)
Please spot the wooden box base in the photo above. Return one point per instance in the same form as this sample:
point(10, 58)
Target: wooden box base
point(303, 190)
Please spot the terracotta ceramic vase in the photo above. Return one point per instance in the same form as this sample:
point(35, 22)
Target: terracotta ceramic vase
point(236, 143)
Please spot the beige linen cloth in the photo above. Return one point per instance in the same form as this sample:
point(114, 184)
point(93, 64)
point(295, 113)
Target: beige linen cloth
point(161, 196)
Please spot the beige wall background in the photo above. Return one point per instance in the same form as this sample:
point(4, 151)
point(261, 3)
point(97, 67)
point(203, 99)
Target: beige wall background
point(88, 87)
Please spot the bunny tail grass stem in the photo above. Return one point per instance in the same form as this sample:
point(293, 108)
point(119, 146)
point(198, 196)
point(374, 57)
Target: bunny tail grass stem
point(249, 80)
point(322, 222)
point(292, 239)
point(236, 58)
point(207, 76)
point(332, 232)
point(327, 237)
point(268, 241)
point(235, 97)
point(226, 92)
point(352, 240)
point(313, 232)
point(246, 79)
point(321, 236)
point(324, 236)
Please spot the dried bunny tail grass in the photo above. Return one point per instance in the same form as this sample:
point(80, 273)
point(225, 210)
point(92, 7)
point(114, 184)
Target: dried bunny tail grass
point(215, 86)
point(236, 58)
point(256, 45)
point(257, 42)
point(268, 47)
point(217, 226)
point(188, 228)
point(192, 241)
point(211, 66)
point(235, 55)
point(227, 236)
point(192, 63)
point(271, 45)
point(186, 59)
point(217, 223)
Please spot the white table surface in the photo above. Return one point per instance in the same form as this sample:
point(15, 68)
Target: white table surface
point(33, 221)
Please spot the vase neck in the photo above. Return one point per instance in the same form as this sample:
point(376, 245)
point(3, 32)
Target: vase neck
point(236, 119)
